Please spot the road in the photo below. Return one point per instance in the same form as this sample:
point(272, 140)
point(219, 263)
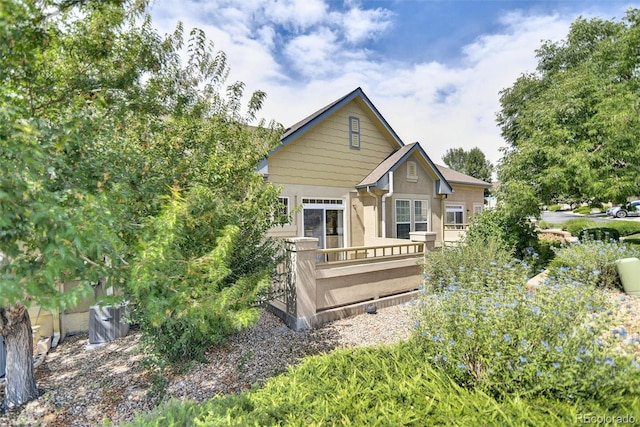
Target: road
point(562, 217)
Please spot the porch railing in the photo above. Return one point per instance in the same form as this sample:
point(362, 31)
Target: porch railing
point(337, 255)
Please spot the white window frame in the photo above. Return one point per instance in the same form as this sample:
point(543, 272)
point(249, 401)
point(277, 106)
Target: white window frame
point(454, 208)
point(285, 203)
point(415, 220)
point(477, 208)
point(326, 203)
point(397, 223)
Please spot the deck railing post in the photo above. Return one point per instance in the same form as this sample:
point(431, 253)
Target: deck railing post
point(303, 280)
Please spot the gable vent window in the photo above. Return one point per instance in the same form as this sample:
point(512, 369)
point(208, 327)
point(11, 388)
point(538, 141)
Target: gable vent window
point(354, 132)
point(412, 172)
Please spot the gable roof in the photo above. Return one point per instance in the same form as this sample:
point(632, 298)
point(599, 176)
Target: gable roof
point(309, 122)
point(455, 177)
point(378, 177)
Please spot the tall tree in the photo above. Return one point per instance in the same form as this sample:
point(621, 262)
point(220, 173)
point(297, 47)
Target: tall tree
point(104, 134)
point(55, 223)
point(572, 127)
point(472, 163)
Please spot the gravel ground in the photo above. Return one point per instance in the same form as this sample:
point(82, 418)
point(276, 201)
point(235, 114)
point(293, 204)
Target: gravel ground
point(84, 386)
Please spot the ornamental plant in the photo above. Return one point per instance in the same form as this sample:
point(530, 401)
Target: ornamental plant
point(487, 330)
point(593, 262)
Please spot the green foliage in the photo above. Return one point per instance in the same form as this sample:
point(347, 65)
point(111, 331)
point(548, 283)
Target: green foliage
point(578, 225)
point(506, 228)
point(442, 265)
point(486, 330)
point(624, 228)
point(546, 251)
point(583, 210)
point(544, 225)
point(572, 126)
point(554, 208)
point(189, 295)
point(472, 163)
point(604, 234)
point(373, 386)
point(592, 262)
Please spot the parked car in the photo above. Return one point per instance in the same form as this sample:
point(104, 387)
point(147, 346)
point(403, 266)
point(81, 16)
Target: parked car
point(630, 209)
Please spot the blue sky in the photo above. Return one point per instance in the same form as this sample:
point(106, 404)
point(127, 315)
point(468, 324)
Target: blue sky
point(433, 68)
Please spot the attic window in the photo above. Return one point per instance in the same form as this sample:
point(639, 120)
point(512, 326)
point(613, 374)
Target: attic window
point(412, 172)
point(354, 132)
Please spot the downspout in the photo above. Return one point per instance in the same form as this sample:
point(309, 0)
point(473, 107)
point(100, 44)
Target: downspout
point(384, 206)
point(443, 216)
point(375, 210)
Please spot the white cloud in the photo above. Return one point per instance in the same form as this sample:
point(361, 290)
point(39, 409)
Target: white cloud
point(313, 54)
point(295, 14)
point(439, 105)
point(360, 25)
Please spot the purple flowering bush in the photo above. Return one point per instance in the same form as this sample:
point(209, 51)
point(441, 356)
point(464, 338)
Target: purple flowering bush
point(487, 330)
point(592, 262)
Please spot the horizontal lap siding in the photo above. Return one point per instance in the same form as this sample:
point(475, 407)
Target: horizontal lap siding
point(322, 156)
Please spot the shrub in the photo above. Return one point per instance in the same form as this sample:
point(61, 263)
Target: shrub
point(604, 234)
point(592, 262)
point(578, 225)
point(545, 225)
point(444, 263)
point(369, 386)
point(486, 331)
point(191, 296)
point(583, 210)
point(505, 228)
point(554, 208)
point(546, 252)
point(625, 228)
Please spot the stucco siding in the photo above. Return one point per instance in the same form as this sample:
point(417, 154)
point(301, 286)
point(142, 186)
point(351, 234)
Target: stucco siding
point(467, 196)
point(323, 156)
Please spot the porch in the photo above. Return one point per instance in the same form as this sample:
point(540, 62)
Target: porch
point(321, 285)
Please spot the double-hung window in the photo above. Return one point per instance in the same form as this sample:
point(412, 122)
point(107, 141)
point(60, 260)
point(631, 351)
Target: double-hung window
point(411, 215)
point(421, 215)
point(403, 218)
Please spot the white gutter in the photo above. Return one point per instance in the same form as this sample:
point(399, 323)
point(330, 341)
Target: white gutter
point(384, 206)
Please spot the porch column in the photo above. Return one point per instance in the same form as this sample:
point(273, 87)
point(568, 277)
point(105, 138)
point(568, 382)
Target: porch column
point(303, 280)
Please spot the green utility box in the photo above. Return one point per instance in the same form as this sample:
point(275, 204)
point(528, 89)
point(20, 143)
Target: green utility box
point(629, 272)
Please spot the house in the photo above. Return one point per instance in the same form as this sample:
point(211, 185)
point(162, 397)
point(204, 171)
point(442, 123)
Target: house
point(359, 184)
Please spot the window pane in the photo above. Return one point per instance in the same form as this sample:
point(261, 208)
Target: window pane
point(402, 231)
point(403, 211)
point(421, 226)
point(454, 215)
point(420, 211)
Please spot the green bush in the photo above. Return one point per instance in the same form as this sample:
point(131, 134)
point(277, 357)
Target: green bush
point(604, 234)
point(545, 225)
point(504, 228)
point(554, 208)
point(488, 332)
point(583, 210)
point(444, 263)
point(191, 296)
point(372, 386)
point(625, 228)
point(592, 262)
point(577, 225)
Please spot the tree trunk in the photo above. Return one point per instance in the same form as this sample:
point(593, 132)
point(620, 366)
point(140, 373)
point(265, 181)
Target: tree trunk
point(15, 327)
